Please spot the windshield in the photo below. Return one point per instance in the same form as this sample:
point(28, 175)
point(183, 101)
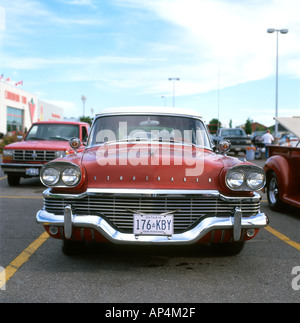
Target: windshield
point(233, 132)
point(53, 132)
point(173, 129)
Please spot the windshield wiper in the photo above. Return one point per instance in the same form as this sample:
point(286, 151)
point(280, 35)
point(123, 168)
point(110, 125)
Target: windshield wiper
point(35, 138)
point(59, 138)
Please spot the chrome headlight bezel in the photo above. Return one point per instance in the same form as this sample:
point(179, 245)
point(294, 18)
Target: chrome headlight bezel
point(254, 178)
point(64, 171)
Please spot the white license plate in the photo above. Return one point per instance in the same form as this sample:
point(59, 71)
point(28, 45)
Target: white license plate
point(32, 171)
point(153, 224)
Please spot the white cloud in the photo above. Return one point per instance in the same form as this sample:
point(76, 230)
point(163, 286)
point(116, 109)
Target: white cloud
point(88, 3)
point(232, 34)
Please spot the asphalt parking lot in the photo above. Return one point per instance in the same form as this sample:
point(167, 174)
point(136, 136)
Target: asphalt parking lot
point(265, 271)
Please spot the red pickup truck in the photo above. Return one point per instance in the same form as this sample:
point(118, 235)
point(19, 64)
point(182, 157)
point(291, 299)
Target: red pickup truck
point(44, 142)
point(282, 170)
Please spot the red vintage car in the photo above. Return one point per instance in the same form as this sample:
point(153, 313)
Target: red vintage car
point(283, 170)
point(150, 176)
point(45, 141)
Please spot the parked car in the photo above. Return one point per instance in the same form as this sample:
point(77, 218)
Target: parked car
point(44, 142)
point(237, 137)
point(149, 176)
point(289, 140)
point(282, 170)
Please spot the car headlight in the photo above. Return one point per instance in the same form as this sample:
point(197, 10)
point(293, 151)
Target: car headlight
point(255, 180)
point(235, 180)
point(50, 176)
point(70, 176)
point(245, 178)
point(60, 174)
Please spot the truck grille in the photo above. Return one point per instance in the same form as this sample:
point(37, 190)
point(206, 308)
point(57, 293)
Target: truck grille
point(34, 155)
point(118, 211)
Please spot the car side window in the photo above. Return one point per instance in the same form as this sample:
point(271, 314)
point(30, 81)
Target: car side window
point(84, 134)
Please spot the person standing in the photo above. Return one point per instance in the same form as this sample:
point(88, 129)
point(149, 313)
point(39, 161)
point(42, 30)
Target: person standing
point(267, 138)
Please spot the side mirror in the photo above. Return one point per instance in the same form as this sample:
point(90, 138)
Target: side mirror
point(75, 143)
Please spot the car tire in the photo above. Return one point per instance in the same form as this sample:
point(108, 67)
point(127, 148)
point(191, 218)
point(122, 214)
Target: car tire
point(72, 248)
point(13, 180)
point(274, 201)
point(228, 249)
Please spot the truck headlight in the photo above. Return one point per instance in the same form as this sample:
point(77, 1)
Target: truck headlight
point(60, 154)
point(8, 153)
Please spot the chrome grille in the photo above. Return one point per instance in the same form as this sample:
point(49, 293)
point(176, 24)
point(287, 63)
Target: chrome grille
point(34, 155)
point(119, 210)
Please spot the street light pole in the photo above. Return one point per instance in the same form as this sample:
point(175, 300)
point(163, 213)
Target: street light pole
point(83, 98)
point(174, 79)
point(282, 31)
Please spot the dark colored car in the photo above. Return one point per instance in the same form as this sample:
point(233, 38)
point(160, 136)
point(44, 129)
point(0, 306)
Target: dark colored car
point(237, 137)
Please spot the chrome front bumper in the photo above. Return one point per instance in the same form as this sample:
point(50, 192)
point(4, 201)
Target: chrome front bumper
point(69, 221)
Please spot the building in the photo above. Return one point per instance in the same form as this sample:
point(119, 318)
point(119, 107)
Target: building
point(19, 109)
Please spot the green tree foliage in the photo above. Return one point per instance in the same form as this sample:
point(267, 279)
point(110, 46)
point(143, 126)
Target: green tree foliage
point(213, 125)
point(248, 127)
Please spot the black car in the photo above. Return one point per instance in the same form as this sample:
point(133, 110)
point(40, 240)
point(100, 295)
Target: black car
point(237, 136)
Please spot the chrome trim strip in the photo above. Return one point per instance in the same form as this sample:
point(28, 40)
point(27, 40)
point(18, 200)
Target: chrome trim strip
point(189, 237)
point(21, 165)
point(152, 193)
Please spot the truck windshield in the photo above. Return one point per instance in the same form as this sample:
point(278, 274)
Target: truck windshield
point(232, 132)
point(52, 132)
point(173, 129)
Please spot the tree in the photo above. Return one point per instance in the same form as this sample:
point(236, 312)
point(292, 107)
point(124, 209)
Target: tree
point(86, 119)
point(248, 126)
point(213, 126)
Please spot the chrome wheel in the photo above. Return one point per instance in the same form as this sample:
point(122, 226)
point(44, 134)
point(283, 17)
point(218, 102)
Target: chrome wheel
point(273, 193)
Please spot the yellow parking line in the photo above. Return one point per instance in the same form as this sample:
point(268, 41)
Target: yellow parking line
point(2, 178)
point(283, 237)
point(15, 265)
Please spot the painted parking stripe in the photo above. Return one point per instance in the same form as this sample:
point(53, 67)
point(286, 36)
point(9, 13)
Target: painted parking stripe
point(283, 238)
point(2, 178)
point(16, 264)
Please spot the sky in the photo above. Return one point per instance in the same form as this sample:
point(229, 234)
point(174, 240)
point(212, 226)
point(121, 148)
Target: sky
point(123, 53)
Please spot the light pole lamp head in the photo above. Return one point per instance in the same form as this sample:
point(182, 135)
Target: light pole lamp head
point(271, 30)
point(284, 31)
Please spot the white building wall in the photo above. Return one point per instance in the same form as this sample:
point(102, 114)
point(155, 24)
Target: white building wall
point(33, 109)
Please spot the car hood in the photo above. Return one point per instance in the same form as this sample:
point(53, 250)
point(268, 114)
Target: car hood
point(39, 145)
point(152, 167)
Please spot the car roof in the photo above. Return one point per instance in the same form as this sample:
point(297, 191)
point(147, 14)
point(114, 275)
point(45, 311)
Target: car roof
point(150, 110)
point(60, 122)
